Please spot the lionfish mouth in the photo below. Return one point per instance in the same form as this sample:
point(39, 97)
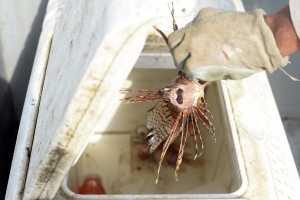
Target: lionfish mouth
point(180, 105)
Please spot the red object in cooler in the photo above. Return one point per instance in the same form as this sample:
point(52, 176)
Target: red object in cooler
point(92, 185)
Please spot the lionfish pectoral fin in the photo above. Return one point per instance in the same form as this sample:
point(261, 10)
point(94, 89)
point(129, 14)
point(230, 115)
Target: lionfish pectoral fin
point(131, 90)
point(198, 130)
point(166, 146)
point(206, 123)
point(151, 95)
point(150, 134)
point(158, 124)
point(182, 143)
point(150, 109)
point(210, 113)
point(192, 118)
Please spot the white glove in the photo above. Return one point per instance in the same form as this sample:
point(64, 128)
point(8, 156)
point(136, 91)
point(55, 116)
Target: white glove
point(220, 44)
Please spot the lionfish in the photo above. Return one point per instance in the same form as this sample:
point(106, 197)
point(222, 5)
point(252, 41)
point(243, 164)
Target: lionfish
point(179, 107)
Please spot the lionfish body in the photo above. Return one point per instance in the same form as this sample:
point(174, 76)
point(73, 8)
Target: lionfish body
point(180, 105)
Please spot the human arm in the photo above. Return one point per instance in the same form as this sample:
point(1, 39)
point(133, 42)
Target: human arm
point(233, 45)
point(283, 30)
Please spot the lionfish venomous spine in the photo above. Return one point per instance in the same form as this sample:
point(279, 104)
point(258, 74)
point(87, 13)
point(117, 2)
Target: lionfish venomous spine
point(180, 105)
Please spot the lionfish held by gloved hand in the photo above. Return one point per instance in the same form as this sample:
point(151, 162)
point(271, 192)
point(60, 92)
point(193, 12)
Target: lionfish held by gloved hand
point(179, 106)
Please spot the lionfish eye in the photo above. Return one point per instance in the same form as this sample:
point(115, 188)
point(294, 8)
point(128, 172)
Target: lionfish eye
point(179, 98)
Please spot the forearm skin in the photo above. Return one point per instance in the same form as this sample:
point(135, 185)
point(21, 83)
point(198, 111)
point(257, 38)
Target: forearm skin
point(283, 30)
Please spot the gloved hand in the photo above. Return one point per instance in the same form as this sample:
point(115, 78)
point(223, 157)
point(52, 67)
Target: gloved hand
point(221, 44)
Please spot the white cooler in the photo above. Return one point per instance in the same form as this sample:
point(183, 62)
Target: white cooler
point(74, 125)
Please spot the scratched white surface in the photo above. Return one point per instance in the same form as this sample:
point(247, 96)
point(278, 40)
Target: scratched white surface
point(94, 46)
point(18, 171)
point(292, 129)
point(270, 166)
